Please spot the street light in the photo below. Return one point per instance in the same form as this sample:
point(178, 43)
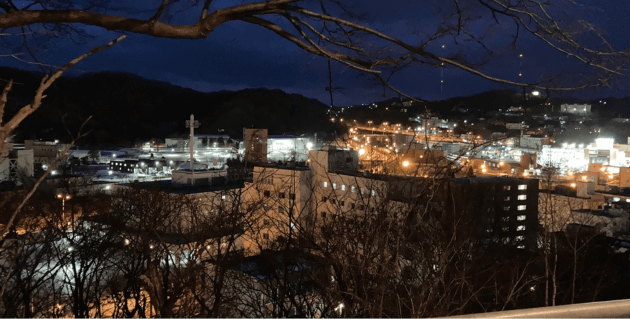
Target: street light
point(63, 198)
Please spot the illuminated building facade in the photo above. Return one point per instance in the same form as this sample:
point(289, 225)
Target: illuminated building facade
point(575, 108)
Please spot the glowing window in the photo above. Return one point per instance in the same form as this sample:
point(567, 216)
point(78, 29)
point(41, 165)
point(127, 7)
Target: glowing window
point(343, 187)
point(325, 184)
point(522, 187)
point(520, 217)
point(520, 228)
point(522, 207)
point(522, 197)
point(334, 185)
point(352, 189)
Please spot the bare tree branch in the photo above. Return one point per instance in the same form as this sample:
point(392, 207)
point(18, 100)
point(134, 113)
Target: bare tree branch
point(58, 160)
point(46, 82)
point(3, 100)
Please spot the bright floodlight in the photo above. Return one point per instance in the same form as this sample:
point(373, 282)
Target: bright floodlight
point(535, 93)
point(361, 151)
point(405, 163)
point(309, 145)
point(604, 143)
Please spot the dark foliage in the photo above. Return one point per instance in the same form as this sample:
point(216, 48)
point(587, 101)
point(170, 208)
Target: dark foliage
point(127, 108)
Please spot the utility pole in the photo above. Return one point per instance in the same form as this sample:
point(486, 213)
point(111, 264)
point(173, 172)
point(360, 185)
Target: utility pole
point(192, 124)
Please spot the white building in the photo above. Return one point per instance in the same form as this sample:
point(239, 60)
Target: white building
point(533, 142)
point(516, 126)
point(199, 176)
point(570, 157)
point(16, 164)
point(575, 108)
point(202, 141)
point(259, 147)
point(44, 153)
point(287, 147)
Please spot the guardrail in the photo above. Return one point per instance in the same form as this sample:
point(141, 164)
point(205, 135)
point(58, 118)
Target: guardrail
point(604, 309)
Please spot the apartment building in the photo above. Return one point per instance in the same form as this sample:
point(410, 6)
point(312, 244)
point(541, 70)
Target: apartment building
point(504, 210)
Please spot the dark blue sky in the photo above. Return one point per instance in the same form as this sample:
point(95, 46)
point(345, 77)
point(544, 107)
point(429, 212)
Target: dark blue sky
point(238, 55)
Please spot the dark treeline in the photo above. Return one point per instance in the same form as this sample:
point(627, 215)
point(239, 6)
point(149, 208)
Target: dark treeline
point(127, 108)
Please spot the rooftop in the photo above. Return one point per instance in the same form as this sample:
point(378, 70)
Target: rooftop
point(167, 186)
point(283, 136)
point(213, 135)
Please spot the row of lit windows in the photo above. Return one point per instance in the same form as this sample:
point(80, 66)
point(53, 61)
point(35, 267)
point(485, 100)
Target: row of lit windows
point(520, 187)
point(507, 218)
point(506, 229)
point(352, 188)
point(121, 164)
point(520, 197)
point(519, 207)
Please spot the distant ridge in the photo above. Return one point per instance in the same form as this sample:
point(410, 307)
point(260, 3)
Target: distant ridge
point(127, 108)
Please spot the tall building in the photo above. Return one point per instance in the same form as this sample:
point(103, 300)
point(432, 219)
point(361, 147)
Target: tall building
point(255, 145)
point(503, 210)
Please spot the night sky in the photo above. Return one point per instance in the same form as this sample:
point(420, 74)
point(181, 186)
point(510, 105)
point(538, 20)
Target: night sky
point(239, 55)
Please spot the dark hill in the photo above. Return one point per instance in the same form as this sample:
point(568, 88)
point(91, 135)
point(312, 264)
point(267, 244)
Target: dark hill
point(127, 108)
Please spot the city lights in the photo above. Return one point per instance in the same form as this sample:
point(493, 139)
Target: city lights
point(273, 196)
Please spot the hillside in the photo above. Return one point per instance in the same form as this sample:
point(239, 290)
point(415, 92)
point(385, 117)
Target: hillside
point(127, 108)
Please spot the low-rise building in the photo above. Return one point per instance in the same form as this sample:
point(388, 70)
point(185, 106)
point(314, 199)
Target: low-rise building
point(575, 108)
